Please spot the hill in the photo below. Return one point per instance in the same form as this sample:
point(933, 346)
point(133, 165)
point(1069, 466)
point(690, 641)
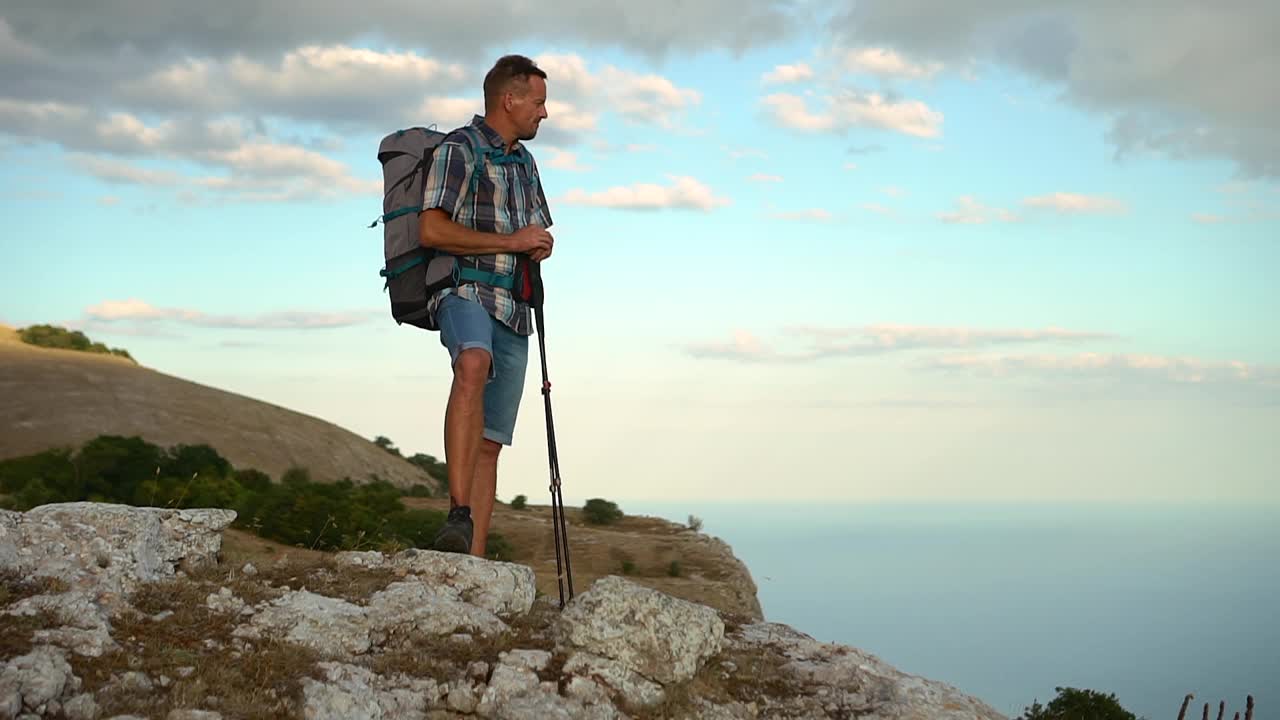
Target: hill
point(65, 397)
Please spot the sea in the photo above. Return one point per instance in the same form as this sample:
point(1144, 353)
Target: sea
point(1009, 602)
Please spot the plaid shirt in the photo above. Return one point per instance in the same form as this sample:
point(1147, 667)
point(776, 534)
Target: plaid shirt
point(507, 198)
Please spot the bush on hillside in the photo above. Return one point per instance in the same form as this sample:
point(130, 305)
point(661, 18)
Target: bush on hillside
point(53, 336)
point(1075, 704)
point(599, 511)
point(295, 511)
point(519, 502)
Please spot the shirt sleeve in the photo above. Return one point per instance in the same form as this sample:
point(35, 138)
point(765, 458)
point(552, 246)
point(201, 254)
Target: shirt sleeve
point(542, 213)
point(447, 179)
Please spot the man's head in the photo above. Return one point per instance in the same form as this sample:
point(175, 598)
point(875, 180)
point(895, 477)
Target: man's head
point(515, 96)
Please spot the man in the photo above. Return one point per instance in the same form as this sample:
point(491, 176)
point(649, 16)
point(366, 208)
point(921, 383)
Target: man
point(491, 213)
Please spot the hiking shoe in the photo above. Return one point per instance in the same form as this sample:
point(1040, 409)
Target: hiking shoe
point(455, 536)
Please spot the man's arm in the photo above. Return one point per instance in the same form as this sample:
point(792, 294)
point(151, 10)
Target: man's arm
point(437, 230)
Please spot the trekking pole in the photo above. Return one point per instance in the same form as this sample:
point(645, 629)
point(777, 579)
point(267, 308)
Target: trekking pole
point(564, 573)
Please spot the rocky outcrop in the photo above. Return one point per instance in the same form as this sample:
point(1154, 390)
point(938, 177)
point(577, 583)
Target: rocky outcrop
point(441, 636)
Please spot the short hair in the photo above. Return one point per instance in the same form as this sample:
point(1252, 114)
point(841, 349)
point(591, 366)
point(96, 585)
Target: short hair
point(508, 69)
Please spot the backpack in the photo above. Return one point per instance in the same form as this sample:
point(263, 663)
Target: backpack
point(415, 273)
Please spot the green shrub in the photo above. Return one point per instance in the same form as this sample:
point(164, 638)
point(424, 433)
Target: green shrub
point(628, 567)
point(295, 511)
point(497, 547)
point(599, 511)
point(673, 569)
point(695, 523)
point(1072, 703)
point(519, 502)
point(53, 336)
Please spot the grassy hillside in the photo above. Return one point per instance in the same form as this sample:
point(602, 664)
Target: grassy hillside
point(65, 397)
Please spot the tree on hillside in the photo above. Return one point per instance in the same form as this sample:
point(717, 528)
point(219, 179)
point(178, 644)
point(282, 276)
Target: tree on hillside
point(1076, 704)
point(385, 443)
point(599, 511)
point(53, 336)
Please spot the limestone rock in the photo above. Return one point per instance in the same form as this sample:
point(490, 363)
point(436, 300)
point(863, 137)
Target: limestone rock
point(855, 682)
point(504, 589)
point(106, 547)
point(612, 679)
point(33, 681)
point(663, 638)
point(330, 626)
point(86, 626)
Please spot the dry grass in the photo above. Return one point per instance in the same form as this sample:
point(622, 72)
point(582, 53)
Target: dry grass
point(16, 631)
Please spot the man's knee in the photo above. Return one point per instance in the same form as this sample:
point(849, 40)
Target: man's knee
point(472, 367)
point(490, 449)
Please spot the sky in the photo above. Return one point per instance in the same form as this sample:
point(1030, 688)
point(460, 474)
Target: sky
point(806, 252)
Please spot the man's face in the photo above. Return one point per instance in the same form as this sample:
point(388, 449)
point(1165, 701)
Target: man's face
point(529, 108)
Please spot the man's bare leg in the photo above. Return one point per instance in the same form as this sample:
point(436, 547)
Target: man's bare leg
point(484, 487)
point(464, 423)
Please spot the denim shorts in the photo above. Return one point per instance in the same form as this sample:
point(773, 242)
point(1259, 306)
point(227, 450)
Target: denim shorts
point(466, 324)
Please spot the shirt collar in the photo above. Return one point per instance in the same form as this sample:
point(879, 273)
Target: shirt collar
point(478, 122)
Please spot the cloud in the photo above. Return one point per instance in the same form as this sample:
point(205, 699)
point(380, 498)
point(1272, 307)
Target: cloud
point(1186, 370)
point(108, 201)
point(764, 178)
point(821, 343)
point(878, 208)
point(850, 109)
point(639, 98)
point(1197, 84)
point(1207, 218)
point(807, 215)
point(156, 28)
point(971, 212)
point(684, 193)
point(137, 311)
point(1075, 203)
point(738, 153)
point(785, 74)
point(564, 160)
point(887, 63)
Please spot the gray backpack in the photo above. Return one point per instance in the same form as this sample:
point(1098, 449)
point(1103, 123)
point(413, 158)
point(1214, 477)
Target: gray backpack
point(413, 273)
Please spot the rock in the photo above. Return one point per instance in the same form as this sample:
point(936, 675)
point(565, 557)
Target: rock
point(427, 608)
point(108, 547)
point(249, 569)
point(80, 707)
point(86, 627)
point(330, 626)
point(34, 680)
point(858, 683)
point(186, 714)
point(504, 589)
point(225, 601)
point(609, 675)
point(351, 692)
point(662, 638)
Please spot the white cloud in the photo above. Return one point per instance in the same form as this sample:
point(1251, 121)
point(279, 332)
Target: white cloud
point(851, 109)
point(785, 74)
point(138, 311)
point(878, 208)
point(683, 193)
point(1207, 218)
point(879, 339)
point(807, 215)
point(1112, 365)
point(564, 160)
point(971, 212)
point(1199, 83)
point(642, 98)
point(850, 166)
point(887, 63)
point(738, 153)
point(893, 191)
point(764, 178)
point(1075, 203)
point(108, 201)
